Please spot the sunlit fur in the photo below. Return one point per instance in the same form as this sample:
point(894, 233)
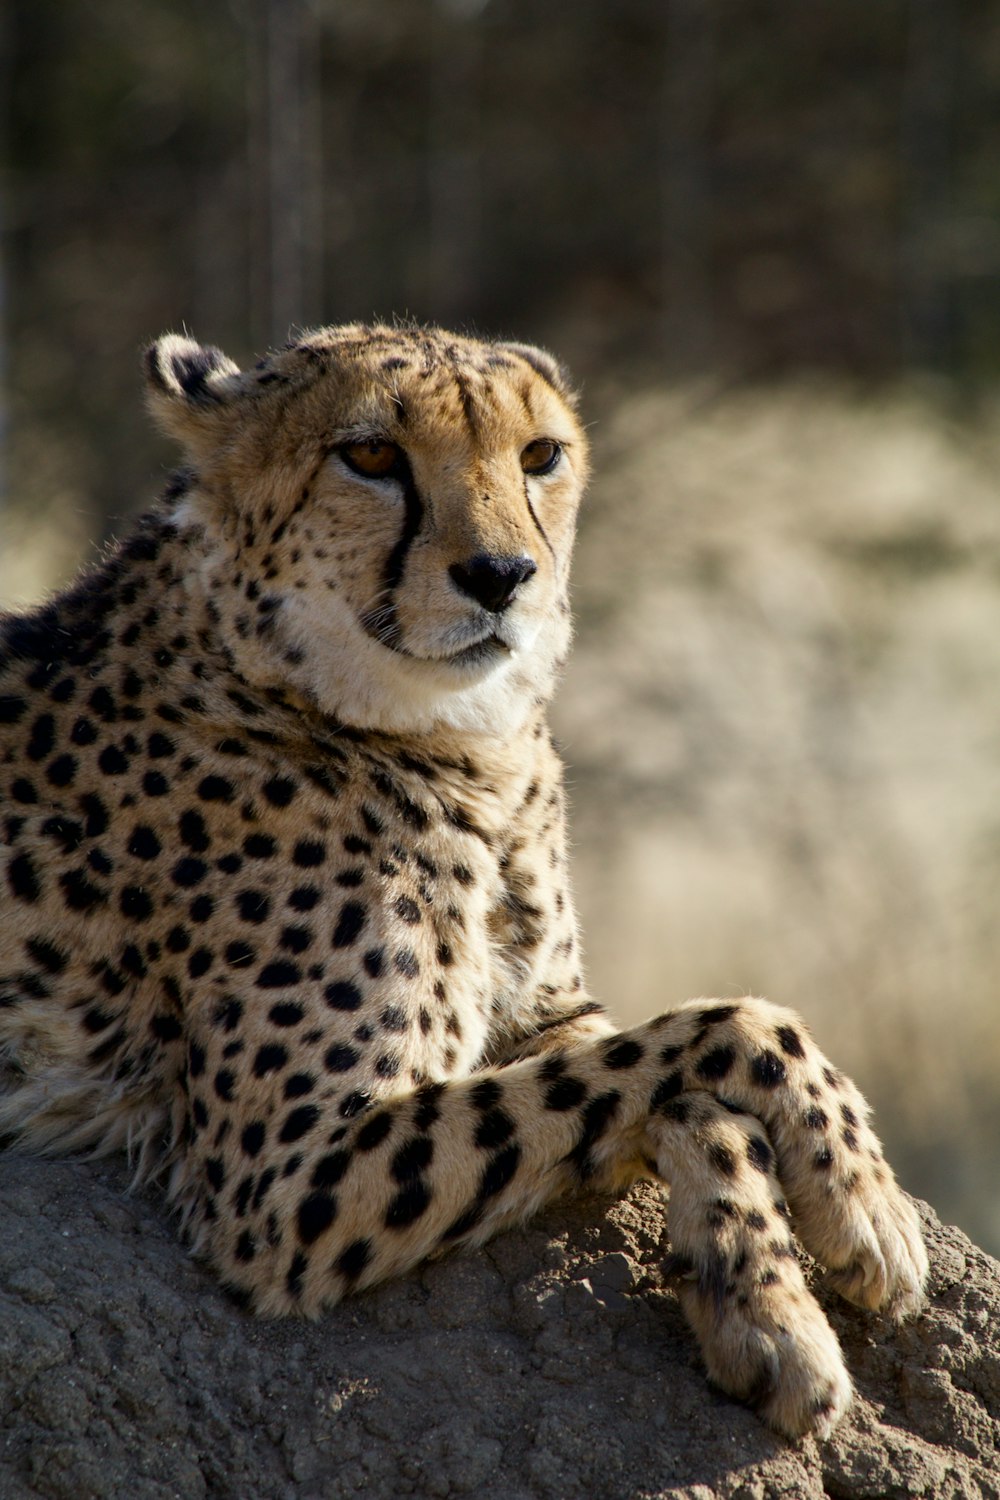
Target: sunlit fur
point(284, 897)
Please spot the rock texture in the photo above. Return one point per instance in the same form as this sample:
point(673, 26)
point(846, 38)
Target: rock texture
point(553, 1365)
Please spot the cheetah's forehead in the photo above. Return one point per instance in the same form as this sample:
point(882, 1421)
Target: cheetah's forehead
point(426, 369)
point(425, 352)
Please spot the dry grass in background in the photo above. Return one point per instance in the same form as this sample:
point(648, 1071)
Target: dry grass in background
point(783, 728)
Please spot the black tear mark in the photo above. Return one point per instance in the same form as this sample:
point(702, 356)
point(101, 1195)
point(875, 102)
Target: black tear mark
point(381, 622)
point(538, 525)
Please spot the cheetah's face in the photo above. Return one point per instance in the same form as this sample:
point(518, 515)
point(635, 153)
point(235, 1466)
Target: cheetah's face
point(389, 516)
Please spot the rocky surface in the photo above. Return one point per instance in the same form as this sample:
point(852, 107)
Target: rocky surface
point(553, 1365)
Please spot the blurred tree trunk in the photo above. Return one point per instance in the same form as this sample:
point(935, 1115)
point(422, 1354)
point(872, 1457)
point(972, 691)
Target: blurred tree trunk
point(284, 154)
point(6, 41)
point(688, 93)
point(454, 185)
point(926, 284)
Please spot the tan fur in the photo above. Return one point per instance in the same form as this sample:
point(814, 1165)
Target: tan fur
point(283, 875)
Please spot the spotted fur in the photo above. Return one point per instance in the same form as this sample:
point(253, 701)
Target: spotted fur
point(283, 875)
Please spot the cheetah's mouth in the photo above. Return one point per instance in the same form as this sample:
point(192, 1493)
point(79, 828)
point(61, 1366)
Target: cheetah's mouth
point(383, 627)
point(479, 654)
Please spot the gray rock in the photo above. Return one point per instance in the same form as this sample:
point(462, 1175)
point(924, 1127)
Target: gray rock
point(553, 1365)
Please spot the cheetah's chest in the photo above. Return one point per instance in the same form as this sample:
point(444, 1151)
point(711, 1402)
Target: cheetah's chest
point(370, 906)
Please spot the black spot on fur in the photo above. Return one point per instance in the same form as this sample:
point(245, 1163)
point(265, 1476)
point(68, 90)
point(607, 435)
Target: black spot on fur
point(374, 1131)
point(330, 1169)
point(722, 1159)
point(298, 1123)
point(279, 791)
point(428, 1111)
point(411, 1158)
point(623, 1054)
point(668, 1088)
point(597, 1116)
point(316, 1214)
point(61, 771)
point(350, 924)
point(12, 708)
point(494, 1129)
point(564, 1093)
point(716, 1064)
point(296, 1271)
point(353, 1104)
point(407, 909)
point(52, 959)
point(486, 1094)
point(308, 853)
point(767, 1070)
point(759, 1154)
point(304, 898)
point(223, 1084)
point(276, 975)
point(342, 995)
point(340, 1058)
point(23, 880)
point(144, 843)
point(80, 893)
point(270, 1059)
point(112, 762)
point(194, 834)
point(406, 963)
point(43, 737)
point(354, 1259)
point(790, 1042)
point(259, 846)
point(410, 1203)
point(287, 1013)
point(253, 906)
point(499, 1172)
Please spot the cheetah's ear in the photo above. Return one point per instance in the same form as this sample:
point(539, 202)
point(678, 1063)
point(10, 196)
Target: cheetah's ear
point(189, 387)
point(547, 366)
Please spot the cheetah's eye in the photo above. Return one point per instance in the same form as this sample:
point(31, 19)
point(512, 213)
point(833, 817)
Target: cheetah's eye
point(541, 456)
point(373, 458)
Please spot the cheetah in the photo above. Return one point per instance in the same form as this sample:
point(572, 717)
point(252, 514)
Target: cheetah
point(285, 908)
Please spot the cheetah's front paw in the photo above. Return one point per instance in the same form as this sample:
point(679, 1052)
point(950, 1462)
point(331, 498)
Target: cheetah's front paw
point(767, 1344)
point(874, 1250)
point(762, 1333)
point(850, 1213)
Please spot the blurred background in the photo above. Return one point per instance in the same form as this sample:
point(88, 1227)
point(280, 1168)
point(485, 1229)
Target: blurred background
point(766, 237)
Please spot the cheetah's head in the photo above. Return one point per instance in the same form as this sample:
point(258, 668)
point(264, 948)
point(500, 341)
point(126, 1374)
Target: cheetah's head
point(386, 517)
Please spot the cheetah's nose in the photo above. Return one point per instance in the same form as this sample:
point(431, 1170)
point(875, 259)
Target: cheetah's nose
point(492, 580)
